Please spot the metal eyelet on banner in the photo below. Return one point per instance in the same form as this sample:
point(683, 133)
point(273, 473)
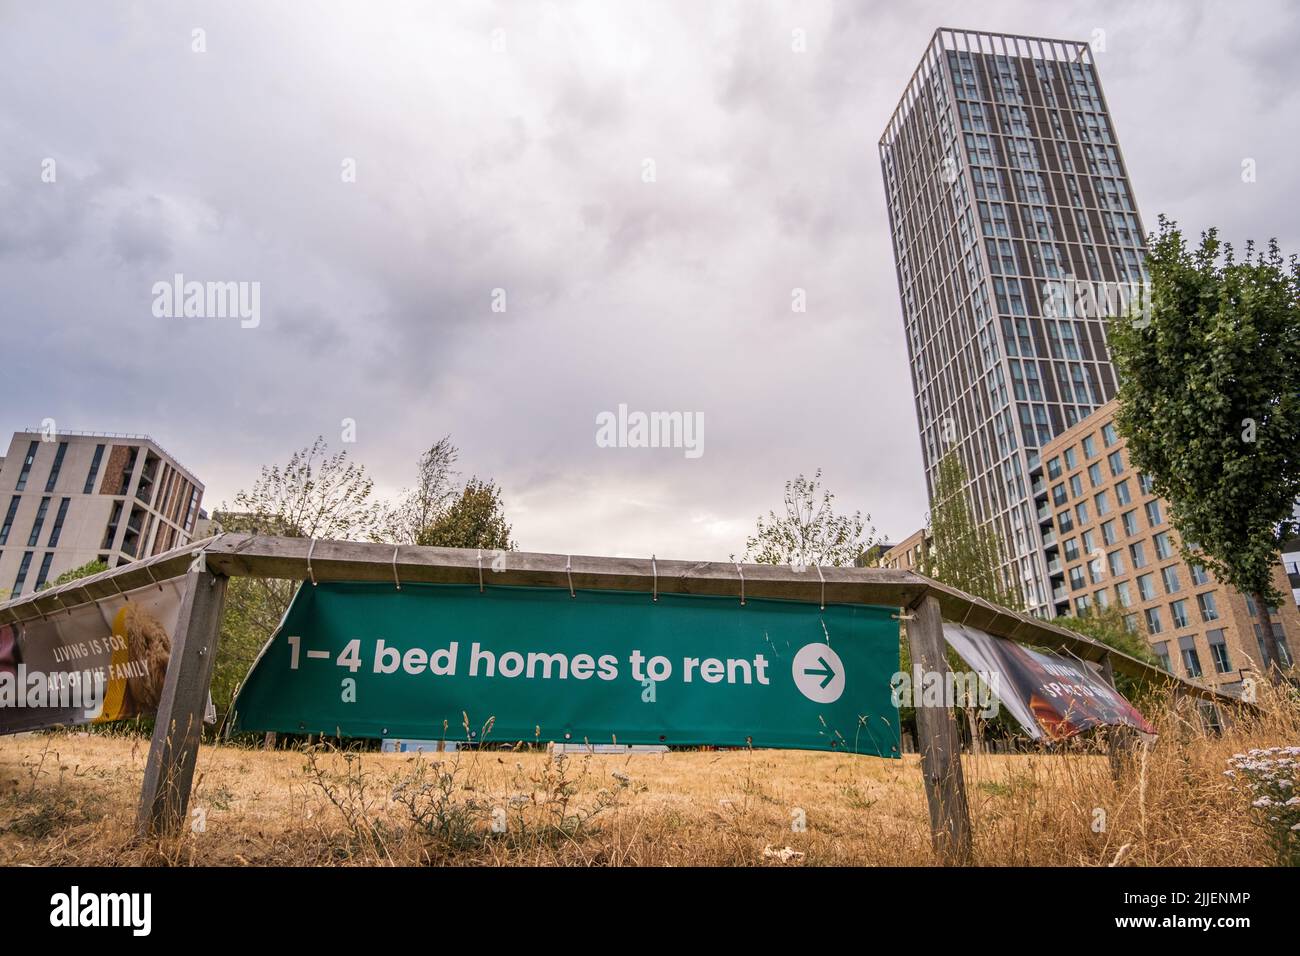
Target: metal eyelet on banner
point(654, 572)
point(310, 573)
point(823, 581)
point(568, 569)
point(741, 572)
point(396, 579)
point(480, 570)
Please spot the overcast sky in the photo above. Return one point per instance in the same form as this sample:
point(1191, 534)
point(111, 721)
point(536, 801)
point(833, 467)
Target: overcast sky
point(504, 147)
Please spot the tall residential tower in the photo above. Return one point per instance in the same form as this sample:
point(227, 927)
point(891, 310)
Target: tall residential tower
point(1015, 232)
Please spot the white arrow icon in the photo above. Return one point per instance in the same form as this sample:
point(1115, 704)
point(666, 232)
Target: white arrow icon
point(818, 673)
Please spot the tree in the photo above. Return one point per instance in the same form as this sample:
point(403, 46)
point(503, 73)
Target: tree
point(86, 570)
point(314, 495)
point(1107, 626)
point(474, 519)
point(1209, 407)
point(419, 507)
point(810, 533)
point(962, 553)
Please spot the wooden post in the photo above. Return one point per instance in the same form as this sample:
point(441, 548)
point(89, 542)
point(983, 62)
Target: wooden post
point(169, 773)
point(1118, 738)
point(938, 741)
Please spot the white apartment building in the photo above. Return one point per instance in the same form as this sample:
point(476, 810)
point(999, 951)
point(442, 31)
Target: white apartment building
point(68, 498)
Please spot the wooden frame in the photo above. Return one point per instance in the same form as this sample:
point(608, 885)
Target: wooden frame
point(208, 564)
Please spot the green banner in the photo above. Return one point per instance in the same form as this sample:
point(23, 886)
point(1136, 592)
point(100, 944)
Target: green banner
point(534, 664)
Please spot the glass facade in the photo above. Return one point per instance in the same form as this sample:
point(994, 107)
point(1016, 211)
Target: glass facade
point(1016, 237)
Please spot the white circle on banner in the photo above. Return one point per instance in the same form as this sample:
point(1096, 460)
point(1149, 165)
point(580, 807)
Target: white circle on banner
point(818, 673)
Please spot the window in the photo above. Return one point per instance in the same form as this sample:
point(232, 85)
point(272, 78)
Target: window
point(1070, 458)
point(1094, 474)
point(1146, 484)
point(1116, 462)
point(1153, 513)
point(1199, 575)
point(1065, 521)
point(94, 470)
point(45, 570)
point(1076, 577)
point(1162, 652)
point(23, 567)
point(9, 519)
point(1071, 549)
point(1122, 494)
point(58, 523)
point(1102, 598)
point(56, 468)
point(1116, 561)
point(1076, 486)
point(1170, 575)
point(1178, 612)
point(1102, 500)
point(1153, 621)
point(1109, 535)
point(1138, 552)
point(1191, 662)
point(1283, 649)
point(1081, 512)
point(1054, 468)
point(1147, 586)
point(1058, 494)
point(1219, 651)
point(1089, 542)
point(1108, 436)
point(1209, 607)
point(26, 469)
point(1131, 623)
point(1164, 548)
point(1124, 594)
point(38, 523)
point(1089, 447)
point(1094, 570)
point(1081, 604)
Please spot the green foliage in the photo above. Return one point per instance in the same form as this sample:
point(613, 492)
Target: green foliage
point(1107, 626)
point(809, 533)
point(962, 553)
point(474, 519)
point(85, 571)
point(418, 508)
point(1209, 404)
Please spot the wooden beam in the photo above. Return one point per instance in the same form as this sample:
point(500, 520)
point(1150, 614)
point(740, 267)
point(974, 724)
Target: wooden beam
point(938, 740)
point(179, 723)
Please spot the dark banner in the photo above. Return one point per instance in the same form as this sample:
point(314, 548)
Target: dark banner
point(1050, 695)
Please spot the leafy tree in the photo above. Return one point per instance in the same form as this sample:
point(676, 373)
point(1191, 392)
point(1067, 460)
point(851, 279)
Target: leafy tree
point(1209, 404)
point(810, 533)
point(963, 553)
point(86, 570)
point(474, 519)
point(418, 508)
point(1107, 626)
point(314, 495)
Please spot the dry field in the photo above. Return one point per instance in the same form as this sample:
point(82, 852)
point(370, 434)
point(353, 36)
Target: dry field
point(70, 799)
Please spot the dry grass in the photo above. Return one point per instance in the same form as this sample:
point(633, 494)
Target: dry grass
point(70, 799)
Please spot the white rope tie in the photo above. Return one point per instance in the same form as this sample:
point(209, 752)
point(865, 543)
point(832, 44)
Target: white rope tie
point(741, 572)
point(310, 573)
point(480, 570)
point(568, 569)
point(396, 579)
point(654, 571)
point(823, 581)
